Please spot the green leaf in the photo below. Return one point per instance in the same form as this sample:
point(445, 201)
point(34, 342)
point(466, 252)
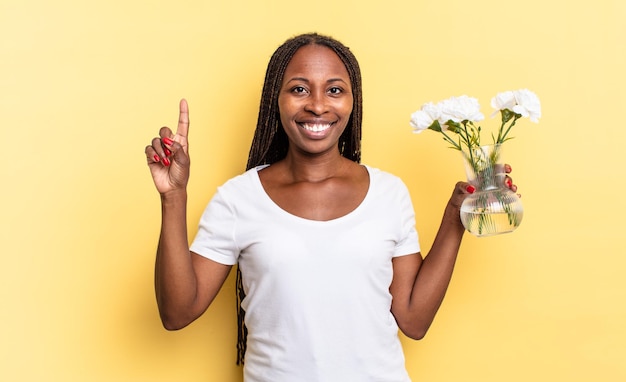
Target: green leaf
point(435, 127)
point(454, 127)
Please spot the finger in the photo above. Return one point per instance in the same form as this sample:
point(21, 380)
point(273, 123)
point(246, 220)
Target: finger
point(183, 119)
point(508, 181)
point(151, 155)
point(165, 132)
point(160, 151)
point(166, 140)
point(461, 191)
point(503, 168)
point(176, 151)
point(464, 188)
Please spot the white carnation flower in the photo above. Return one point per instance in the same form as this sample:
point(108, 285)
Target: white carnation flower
point(527, 104)
point(460, 109)
point(457, 120)
point(504, 100)
point(424, 118)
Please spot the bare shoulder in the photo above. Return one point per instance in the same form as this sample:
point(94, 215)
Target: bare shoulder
point(359, 173)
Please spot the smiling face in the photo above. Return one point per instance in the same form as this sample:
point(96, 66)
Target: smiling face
point(315, 100)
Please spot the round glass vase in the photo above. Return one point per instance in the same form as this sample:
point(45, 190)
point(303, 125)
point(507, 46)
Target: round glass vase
point(493, 208)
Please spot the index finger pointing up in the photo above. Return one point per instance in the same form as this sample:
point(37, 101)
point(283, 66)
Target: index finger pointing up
point(183, 119)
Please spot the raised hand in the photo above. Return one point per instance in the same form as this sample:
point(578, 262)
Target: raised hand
point(168, 155)
point(462, 189)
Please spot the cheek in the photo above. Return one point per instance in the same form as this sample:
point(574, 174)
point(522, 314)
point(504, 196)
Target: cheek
point(283, 116)
point(285, 108)
point(348, 104)
point(346, 109)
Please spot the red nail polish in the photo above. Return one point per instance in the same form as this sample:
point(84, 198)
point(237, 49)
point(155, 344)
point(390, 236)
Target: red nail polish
point(166, 161)
point(156, 158)
point(470, 189)
point(168, 152)
point(167, 141)
point(508, 183)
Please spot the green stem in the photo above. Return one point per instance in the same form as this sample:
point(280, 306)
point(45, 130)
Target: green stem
point(502, 138)
point(468, 143)
point(499, 140)
point(451, 141)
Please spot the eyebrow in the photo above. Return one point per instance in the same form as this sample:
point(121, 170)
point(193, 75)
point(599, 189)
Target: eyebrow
point(303, 79)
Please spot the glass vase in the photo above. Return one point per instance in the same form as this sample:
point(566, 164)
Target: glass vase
point(493, 208)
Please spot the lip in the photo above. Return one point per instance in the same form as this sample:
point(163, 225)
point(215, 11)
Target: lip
point(316, 129)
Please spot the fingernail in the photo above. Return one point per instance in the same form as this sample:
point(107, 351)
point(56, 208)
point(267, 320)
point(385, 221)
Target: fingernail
point(507, 168)
point(167, 141)
point(167, 152)
point(508, 183)
point(156, 158)
point(166, 161)
point(470, 189)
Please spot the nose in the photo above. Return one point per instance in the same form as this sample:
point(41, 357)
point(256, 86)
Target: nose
point(316, 103)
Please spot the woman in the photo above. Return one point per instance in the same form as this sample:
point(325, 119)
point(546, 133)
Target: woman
point(329, 257)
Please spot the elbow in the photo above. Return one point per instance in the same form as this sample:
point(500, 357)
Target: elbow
point(415, 330)
point(175, 316)
point(172, 326)
point(173, 322)
point(415, 333)
point(413, 325)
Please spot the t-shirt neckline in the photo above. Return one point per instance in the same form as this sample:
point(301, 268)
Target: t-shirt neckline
point(267, 200)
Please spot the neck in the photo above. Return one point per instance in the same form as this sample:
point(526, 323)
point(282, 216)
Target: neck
point(314, 168)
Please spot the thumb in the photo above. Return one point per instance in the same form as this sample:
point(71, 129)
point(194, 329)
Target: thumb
point(460, 192)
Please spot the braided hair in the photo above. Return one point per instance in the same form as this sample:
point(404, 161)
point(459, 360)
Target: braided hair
point(270, 143)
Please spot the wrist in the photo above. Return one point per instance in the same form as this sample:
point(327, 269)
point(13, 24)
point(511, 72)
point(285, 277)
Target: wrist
point(174, 197)
point(452, 217)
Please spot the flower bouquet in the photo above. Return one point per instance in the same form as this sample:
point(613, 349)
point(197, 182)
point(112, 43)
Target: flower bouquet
point(493, 208)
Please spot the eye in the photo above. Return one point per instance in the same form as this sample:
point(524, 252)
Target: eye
point(335, 90)
point(298, 89)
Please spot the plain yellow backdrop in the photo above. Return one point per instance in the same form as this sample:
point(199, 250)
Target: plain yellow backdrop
point(84, 86)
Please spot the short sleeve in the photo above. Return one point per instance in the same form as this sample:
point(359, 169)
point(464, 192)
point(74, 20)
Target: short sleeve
point(215, 239)
point(409, 239)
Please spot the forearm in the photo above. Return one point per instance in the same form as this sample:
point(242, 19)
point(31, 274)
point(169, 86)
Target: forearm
point(175, 279)
point(436, 270)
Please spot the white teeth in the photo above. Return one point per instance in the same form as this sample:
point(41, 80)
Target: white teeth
point(316, 128)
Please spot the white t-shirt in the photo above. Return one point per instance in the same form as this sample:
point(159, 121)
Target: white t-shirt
point(317, 292)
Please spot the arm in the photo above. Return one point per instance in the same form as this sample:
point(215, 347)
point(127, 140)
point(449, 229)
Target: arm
point(419, 286)
point(185, 283)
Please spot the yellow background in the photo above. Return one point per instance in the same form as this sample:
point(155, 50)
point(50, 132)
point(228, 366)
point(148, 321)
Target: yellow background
point(84, 86)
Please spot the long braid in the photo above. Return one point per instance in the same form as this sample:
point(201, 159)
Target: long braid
point(270, 143)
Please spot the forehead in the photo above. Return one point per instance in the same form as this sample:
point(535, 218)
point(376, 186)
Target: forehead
point(316, 59)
